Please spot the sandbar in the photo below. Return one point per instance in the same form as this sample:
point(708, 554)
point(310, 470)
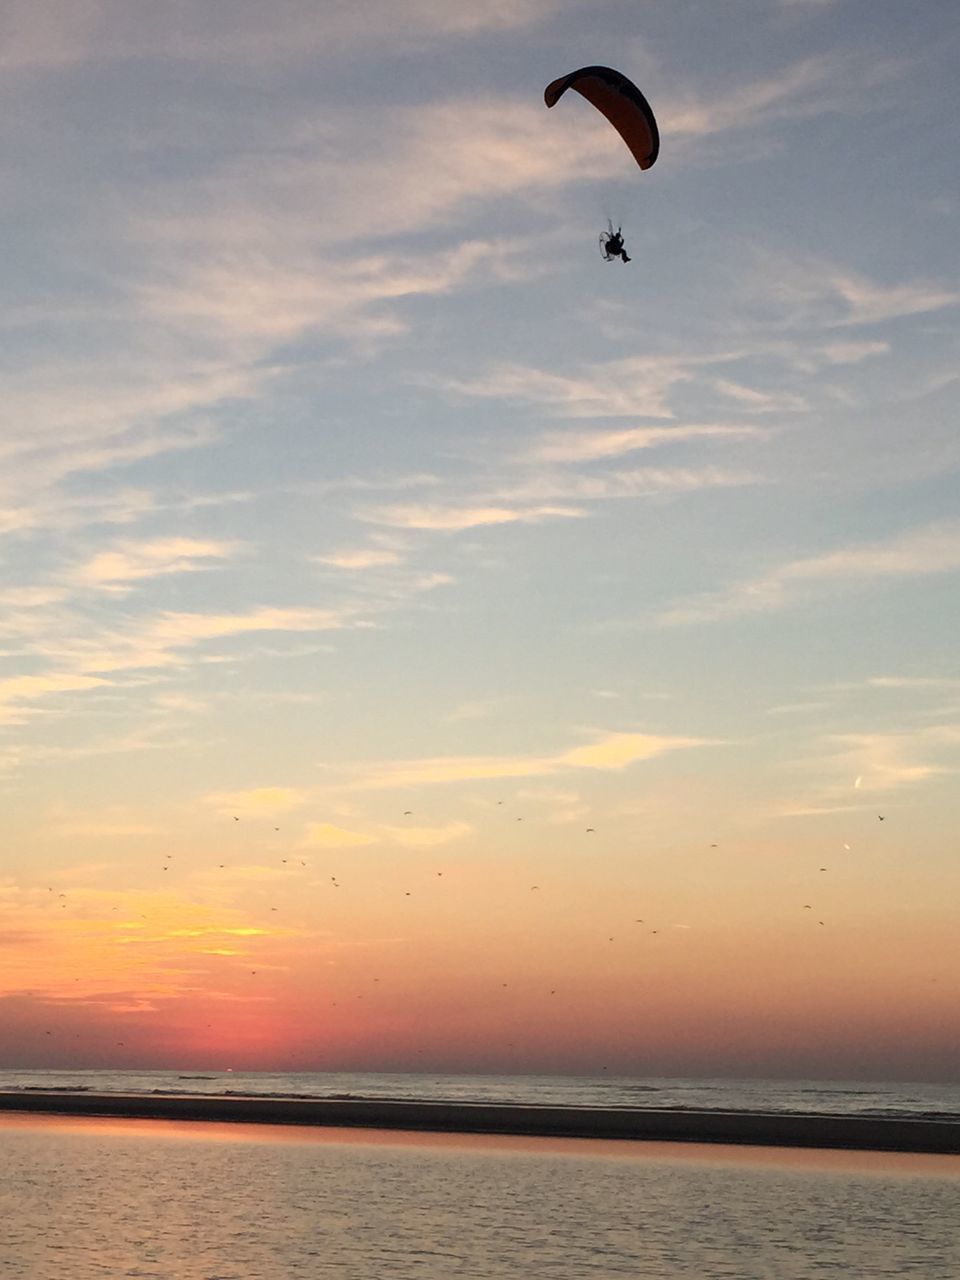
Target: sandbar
point(854, 1133)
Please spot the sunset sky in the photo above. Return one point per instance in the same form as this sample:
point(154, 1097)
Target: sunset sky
point(426, 645)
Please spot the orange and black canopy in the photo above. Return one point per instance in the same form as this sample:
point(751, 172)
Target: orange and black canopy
point(620, 101)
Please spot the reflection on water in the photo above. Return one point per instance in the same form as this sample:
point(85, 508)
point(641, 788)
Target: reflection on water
point(94, 1199)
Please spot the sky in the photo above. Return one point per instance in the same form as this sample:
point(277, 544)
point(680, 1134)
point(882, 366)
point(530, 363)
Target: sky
point(425, 645)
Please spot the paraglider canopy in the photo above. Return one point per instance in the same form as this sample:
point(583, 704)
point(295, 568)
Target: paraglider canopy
point(620, 101)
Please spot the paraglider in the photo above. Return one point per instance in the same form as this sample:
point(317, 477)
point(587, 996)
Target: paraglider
point(611, 244)
point(628, 111)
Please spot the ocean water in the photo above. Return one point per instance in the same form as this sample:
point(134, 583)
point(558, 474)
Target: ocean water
point(819, 1097)
point(86, 1199)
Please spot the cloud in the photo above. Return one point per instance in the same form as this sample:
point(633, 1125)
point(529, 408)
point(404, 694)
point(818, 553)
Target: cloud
point(641, 482)
point(126, 562)
point(589, 446)
point(85, 659)
point(258, 802)
point(633, 386)
point(814, 810)
point(816, 293)
point(888, 761)
point(455, 519)
point(325, 835)
point(930, 549)
point(258, 298)
point(63, 33)
point(808, 87)
point(750, 400)
point(427, 837)
point(360, 558)
point(609, 751)
point(18, 690)
point(159, 641)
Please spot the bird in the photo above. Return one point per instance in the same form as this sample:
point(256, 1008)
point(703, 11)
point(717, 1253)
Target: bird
point(880, 816)
point(591, 830)
point(408, 813)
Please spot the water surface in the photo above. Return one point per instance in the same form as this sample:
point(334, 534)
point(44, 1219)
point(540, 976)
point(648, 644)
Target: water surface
point(103, 1198)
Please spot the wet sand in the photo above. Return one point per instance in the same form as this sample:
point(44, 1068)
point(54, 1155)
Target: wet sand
point(861, 1133)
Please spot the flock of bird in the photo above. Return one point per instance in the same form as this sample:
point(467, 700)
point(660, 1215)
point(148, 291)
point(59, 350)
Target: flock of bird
point(62, 898)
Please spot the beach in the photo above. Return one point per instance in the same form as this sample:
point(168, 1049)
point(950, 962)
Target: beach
point(156, 1199)
point(737, 1127)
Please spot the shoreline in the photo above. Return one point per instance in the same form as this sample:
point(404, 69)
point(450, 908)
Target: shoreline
point(852, 1133)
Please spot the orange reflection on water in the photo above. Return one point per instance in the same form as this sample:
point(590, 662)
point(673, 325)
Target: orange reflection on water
point(881, 1163)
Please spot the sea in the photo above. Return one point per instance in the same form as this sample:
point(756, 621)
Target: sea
point(850, 1098)
point(105, 1199)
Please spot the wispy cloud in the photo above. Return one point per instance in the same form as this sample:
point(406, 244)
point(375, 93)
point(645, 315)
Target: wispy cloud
point(451, 519)
point(931, 549)
point(160, 641)
point(880, 762)
point(257, 299)
point(258, 802)
point(67, 32)
point(19, 692)
point(327, 835)
point(360, 558)
point(750, 400)
point(808, 87)
point(426, 837)
point(630, 387)
point(608, 751)
point(116, 568)
point(639, 482)
point(816, 293)
point(590, 446)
